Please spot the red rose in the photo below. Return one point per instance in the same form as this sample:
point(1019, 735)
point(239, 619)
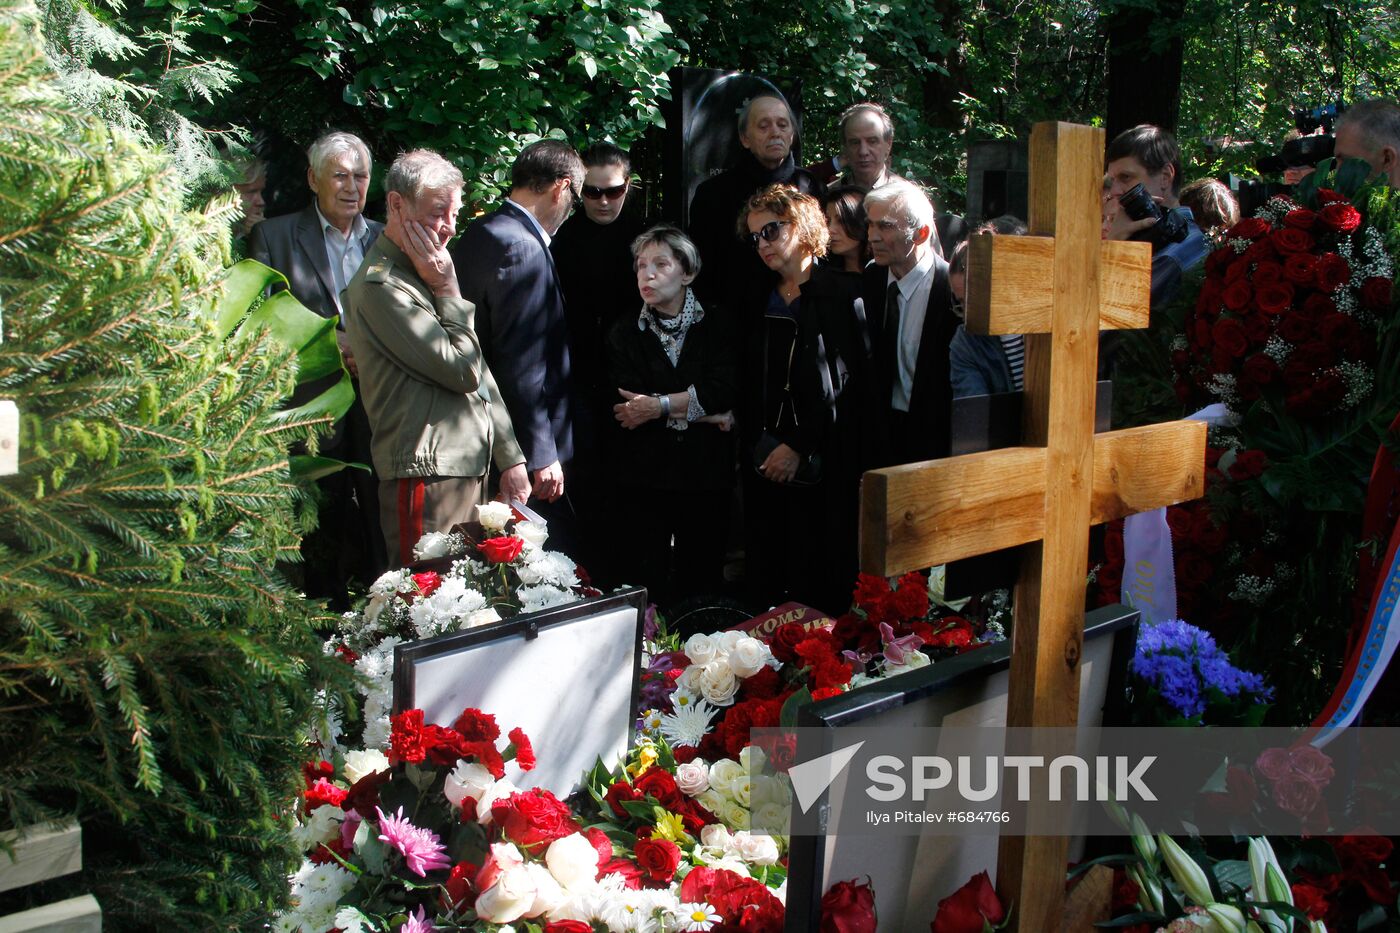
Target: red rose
point(1318, 305)
point(524, 751)
point(1237, 296)
point(1259, 251)
point(1267, 273)
point(1311, 900)
point(476, 726)
point(1248, 464)
point(1261, 368)
point(1193, 569)
point(658, 859)
point(1251, 228)
point(459, 884)
point(1332, 272)
point(617, 795)
point(364, 794)
point(1219, 259)
point(406, 738)
point(1311, 764)
point(1360, 850)
point(970, 908)
point(1375, 293)
point(1300, 268)
point(427, 582)
point(1297, 796)
point(502, 549)
point(532, 819)
point(1301, 219)
point(601, 843)
point(1256, 327)
point(1274, 299)
point(1311, 356)
point(1328, 196)
point(658, 783)
point(568, 926)
point(1295, 328)
point(1292, 240)
point(1342, 218)
point(1230, 336)
point(1338, 330)
point(785, 640)
point(848, 907)
point(629, 871)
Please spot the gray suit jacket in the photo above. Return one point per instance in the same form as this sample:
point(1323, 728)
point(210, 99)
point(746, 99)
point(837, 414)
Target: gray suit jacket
point(295, 246)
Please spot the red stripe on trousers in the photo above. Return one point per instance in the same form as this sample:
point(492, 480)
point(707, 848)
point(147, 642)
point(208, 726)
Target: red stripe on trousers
point(410, 517)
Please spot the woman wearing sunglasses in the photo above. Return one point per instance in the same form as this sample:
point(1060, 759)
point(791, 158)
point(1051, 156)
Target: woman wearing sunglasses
point(799, 411)
point(674, 370)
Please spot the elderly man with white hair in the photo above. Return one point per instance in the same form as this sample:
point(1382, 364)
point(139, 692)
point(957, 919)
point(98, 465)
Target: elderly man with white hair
point(909, 309)
point(319, 249)
point(1370, 130)
point(438, 419)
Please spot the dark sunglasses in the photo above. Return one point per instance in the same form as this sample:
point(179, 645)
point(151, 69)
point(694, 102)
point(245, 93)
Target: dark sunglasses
point(594, 193)
point(769, 232)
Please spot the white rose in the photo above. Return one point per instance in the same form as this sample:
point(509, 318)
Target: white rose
point(732, 863)
point(741, 790)
point(711, 799)
point(481, 617)
point(573, 862)
point(468, 779)
point(548, 894)
point(734, 815)
point(693, 777)
point(752, 759)
point(771, 818)
point(498, 791)
point(729, 641)
point(756, 849)
point(509, 898)
point(701, 649)
point(716, 836)
point(364, 761)
point(493, 515)
point(748, 657)
point(764, 789)
point(532, 533)
point(725, 774)
point(718, 684)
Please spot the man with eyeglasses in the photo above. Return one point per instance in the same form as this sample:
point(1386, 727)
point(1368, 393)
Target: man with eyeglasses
point(505, 268)
point(909, 307)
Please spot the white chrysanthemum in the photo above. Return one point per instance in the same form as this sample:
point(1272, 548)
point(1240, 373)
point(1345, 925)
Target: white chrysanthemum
point(542, 596)
point(316, 889)
point(322, 825)
point(395, 581)
point(438, 544)
point(548, 567)
point(687, 725)
point(446, 608)
point(695, 917)
point(350, 920)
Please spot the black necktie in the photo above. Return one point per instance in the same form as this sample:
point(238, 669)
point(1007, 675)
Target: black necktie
point(889, 349)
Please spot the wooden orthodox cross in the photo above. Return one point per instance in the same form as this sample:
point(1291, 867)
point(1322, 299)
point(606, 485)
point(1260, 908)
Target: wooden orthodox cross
point(1057, 286)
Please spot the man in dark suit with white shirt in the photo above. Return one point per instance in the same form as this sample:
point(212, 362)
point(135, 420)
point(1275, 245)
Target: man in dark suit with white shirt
point(505, 268)
point(319, 249)
point(909, 308)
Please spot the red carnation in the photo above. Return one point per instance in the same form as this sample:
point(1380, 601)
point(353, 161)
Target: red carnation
point(826, 693)
point(524, 751)
point(970, 908)
point(1238, 294)
point(1375, 293)
point(502, 549)
point(1250, 228)
point(848, 907)
point(444, 746)
point(1311, 900)
point(870, 589)
point(1274, 299)
point(476, 726)
point(1342, 218)
point(312, 773)
point(533, 819)
point(1300, 219)
point(1230, 336)
point(406, 738)
point(323, 793)
point(1332, 272)
point(764, 685)
point(658, 859)
point(427, 582)
point(1292, 240)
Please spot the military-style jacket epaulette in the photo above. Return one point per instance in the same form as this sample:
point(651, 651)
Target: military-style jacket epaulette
point(379, 270)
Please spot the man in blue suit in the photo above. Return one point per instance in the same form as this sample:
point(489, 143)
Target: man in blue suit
point(505, 268)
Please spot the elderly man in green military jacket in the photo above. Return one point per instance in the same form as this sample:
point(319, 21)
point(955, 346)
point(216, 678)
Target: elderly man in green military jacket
point(436, 415)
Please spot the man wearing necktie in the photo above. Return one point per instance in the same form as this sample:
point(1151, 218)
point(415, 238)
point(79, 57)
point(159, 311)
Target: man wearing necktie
point(909, 308)
point(505, 268)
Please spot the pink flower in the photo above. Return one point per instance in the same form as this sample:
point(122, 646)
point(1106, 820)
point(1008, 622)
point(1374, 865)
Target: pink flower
point(418, 923)
point(422, 850)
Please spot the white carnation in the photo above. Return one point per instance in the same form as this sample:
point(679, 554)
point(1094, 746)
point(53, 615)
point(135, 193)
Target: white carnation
point(718, 684)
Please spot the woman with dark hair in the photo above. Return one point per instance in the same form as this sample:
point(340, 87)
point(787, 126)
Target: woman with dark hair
point(673, 461)
point(848, 249)
point(798, 420)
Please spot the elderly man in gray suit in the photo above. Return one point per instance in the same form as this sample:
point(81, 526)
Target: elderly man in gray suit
point(319, 249)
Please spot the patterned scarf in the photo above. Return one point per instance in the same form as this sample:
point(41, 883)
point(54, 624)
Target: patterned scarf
point(671, 331)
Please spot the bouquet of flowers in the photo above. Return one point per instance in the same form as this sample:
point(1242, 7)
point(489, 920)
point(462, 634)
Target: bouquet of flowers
point(1180, 676)
point(477, 574)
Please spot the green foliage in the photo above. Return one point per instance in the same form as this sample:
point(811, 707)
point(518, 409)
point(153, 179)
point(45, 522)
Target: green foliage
point(155, 670)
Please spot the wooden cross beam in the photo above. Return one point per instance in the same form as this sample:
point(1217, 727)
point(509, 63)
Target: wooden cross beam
point(1058, 286)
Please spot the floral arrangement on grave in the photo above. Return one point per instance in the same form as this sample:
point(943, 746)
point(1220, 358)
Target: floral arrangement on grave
point(1179, 676)
point(477, 574)
point(972, 908)
point(1295, 332)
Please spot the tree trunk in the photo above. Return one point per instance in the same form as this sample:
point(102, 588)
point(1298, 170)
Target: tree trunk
point(1144, 66)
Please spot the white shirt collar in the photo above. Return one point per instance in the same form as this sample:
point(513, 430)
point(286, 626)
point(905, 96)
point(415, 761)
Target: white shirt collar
point(533, 219)
point(915, 276)
point(358, 227)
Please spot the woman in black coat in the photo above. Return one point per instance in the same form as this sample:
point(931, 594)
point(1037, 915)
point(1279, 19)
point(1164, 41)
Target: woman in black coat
point(674, 368)
point(799, 450)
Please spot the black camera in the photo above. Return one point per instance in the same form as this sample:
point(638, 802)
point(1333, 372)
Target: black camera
point(1171, 226)
point(1297, 152)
